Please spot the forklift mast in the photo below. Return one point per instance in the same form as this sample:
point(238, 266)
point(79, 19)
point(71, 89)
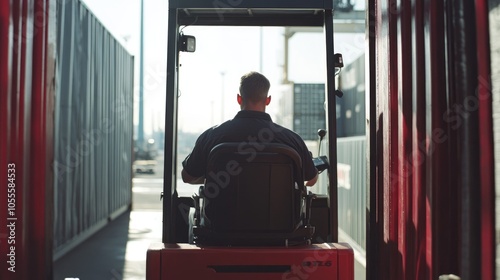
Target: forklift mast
point(281, 13)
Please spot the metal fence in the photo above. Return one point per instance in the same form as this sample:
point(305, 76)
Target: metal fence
point(93, 127)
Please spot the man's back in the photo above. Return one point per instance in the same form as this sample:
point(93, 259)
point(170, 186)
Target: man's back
point(252, 128)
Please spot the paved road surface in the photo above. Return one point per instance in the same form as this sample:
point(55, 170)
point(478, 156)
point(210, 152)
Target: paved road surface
point(118, 251)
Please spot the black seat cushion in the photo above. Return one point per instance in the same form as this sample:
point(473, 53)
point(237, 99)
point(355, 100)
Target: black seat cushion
point(252, 195)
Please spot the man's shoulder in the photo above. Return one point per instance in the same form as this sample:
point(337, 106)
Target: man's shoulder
point(281, 129)
point(206, 134)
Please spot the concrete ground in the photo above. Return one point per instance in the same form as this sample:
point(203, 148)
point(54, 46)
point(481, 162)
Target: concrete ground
point(118, 251)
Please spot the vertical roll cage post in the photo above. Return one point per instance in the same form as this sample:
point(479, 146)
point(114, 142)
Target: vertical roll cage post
point(243, 13)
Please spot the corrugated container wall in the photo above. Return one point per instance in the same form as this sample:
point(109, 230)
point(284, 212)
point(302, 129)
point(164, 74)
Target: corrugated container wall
point(93, 126)
point(66, 93)
point(430, 140)
point(494, 21)
point(351, 170)
point(27, 71)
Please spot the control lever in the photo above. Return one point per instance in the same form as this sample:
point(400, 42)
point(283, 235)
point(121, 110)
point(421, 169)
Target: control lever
point(321, 162)
point(321, 134)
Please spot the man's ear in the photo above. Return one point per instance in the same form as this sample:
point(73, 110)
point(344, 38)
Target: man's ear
point(268, 100)
point(239, 99)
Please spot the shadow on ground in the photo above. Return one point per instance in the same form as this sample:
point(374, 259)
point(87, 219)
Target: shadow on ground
point(95, 259)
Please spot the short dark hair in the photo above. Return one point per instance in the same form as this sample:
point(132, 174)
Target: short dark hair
point(254, 87)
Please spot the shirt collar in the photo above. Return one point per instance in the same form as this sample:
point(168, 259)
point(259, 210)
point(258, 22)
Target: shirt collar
point(253, 114)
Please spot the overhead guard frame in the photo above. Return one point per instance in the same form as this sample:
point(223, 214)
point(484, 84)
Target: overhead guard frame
point(244, 13)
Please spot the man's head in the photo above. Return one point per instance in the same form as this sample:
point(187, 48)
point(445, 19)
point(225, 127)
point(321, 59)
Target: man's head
point(254, 88)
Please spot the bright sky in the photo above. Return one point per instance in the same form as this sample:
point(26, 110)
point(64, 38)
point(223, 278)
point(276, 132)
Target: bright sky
point(209, 77)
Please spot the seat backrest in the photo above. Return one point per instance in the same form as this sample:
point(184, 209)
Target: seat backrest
point(253, 190)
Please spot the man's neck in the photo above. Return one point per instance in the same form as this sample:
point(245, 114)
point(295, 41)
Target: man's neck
point(254, 108)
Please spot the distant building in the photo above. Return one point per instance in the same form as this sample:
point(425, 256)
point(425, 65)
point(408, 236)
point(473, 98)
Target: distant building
point(302, 105)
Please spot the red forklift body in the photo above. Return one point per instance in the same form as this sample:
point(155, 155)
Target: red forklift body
point(174, 258)
point(324, 261)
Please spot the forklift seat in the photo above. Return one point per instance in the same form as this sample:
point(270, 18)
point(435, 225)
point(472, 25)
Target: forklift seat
point(253, 197)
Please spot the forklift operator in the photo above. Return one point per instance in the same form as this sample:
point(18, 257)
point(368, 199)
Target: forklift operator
point(252, 127)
